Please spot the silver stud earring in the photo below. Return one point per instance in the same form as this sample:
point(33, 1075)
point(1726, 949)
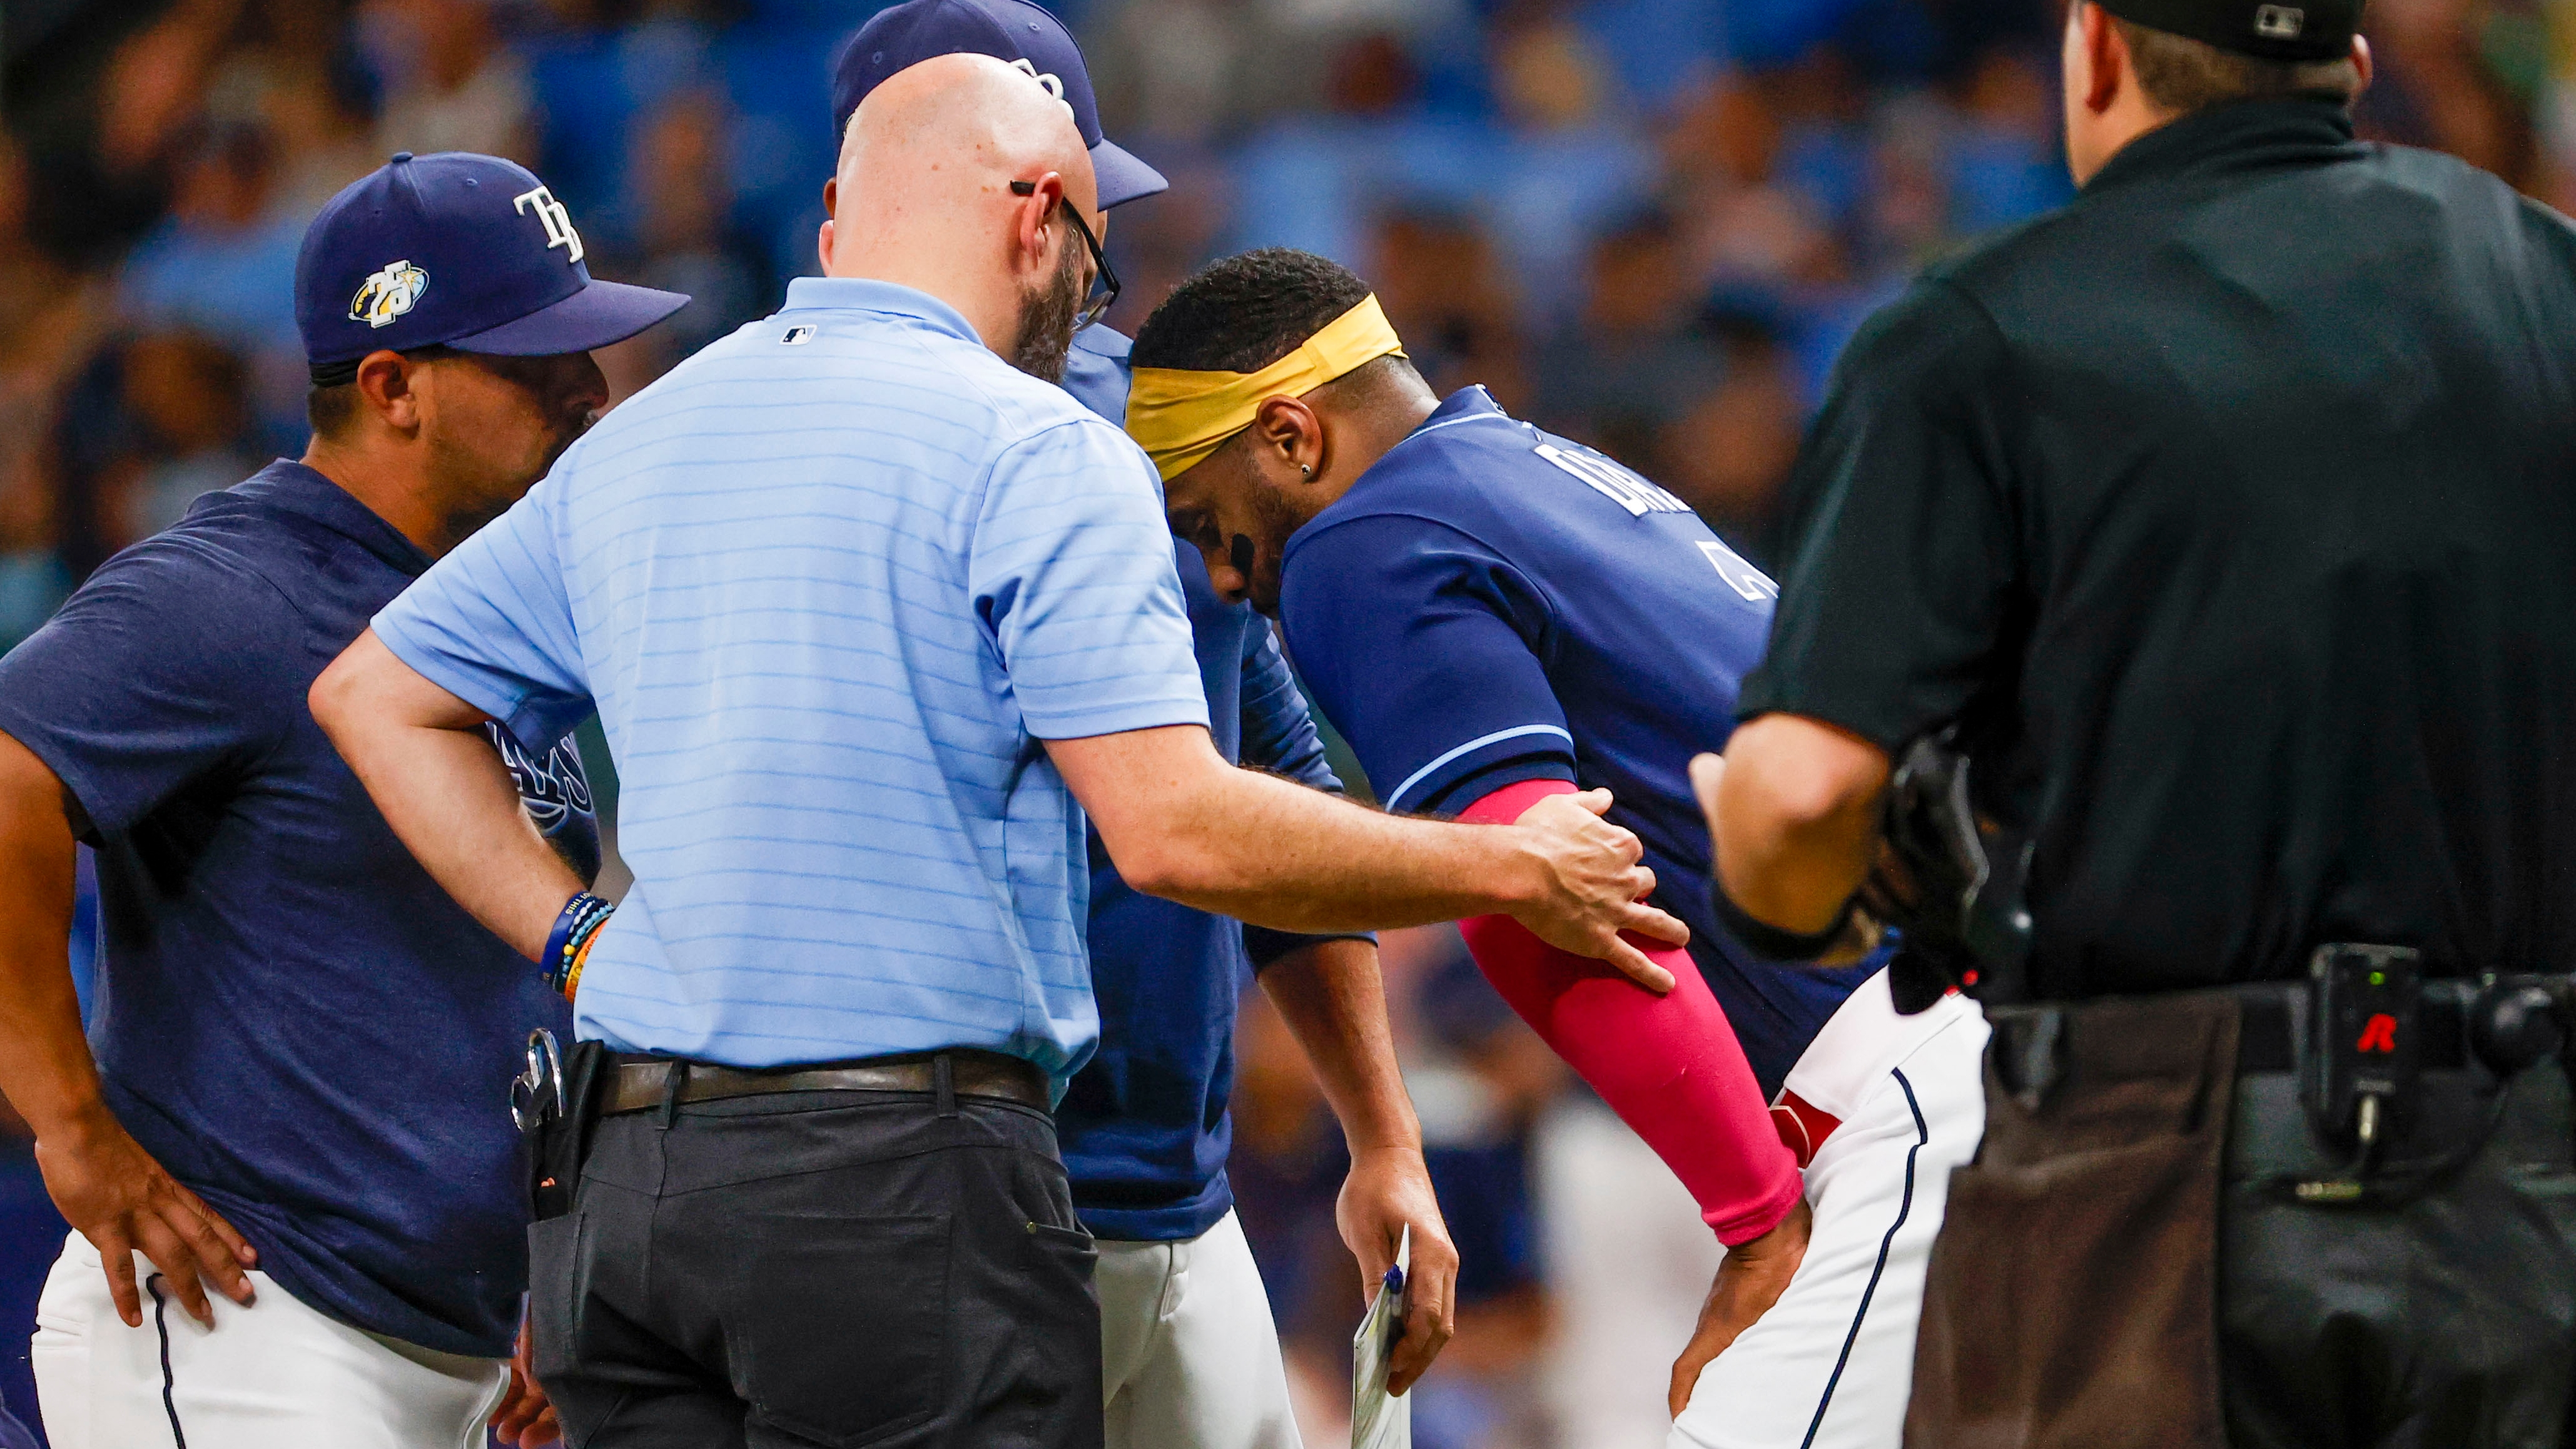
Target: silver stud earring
point(1307, 469)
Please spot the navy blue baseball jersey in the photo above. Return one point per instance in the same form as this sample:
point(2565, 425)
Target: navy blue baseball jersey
point(1490, 603)
point(290, 1014)
point(1144, 1128)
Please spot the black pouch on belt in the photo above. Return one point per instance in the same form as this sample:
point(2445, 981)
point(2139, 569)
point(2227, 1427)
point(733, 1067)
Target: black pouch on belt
point(556, 1104)
point(2072, 1301)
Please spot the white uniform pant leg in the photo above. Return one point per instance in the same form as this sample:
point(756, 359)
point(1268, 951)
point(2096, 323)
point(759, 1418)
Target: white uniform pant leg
point(1189, 1354)
point(274, 1373)
point(1832, 1364)
point(1130, 1279)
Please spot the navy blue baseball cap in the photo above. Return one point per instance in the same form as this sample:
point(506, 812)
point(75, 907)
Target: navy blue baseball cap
point(1007, 30)
point(470, 252)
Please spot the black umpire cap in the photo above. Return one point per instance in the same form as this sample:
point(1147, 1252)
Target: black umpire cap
point(2284, 30)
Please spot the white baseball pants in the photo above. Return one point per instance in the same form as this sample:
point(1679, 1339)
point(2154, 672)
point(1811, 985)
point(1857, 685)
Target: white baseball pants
point(1189, 1355)
point(274, 1373)
point(1832, 1364)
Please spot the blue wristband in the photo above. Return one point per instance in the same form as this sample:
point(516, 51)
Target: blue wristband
point(582, 917)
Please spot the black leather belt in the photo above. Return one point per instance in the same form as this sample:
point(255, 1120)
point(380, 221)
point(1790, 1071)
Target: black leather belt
point(645, 1082)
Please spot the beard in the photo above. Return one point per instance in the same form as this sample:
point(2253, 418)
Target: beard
point(1046, 319)
point(1258, 558)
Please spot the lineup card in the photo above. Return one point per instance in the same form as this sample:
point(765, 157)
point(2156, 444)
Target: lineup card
point(1380, 1420)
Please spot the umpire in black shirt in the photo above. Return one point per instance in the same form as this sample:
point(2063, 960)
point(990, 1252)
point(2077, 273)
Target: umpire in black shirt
point(2226, 520)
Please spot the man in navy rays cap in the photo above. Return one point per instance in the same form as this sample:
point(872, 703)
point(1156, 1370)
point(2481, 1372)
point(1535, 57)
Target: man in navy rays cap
point(1014, 31)
point(292, 1087)
point(1190, 1354)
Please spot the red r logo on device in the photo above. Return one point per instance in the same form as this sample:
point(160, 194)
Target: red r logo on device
point(2379, 1034)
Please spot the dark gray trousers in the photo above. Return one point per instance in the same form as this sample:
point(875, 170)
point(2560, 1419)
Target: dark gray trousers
point(838, 1269)
point(2447, 1321)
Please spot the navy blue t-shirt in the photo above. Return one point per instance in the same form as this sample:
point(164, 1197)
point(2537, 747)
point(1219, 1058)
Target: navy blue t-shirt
point(291, 1015)
point(1490, 603)
point(1143, 1128)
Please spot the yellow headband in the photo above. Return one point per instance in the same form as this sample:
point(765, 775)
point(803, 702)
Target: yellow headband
point(1180, 416)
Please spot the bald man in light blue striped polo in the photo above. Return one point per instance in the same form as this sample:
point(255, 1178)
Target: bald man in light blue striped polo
point(865, 605)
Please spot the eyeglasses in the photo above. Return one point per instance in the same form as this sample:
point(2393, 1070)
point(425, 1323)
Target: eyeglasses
point(1104, 281)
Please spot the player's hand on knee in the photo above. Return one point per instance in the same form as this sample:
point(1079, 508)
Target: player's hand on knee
point(1749, 1281)
point(1596, 887)
point(111, 1190)
point(1388, 1190)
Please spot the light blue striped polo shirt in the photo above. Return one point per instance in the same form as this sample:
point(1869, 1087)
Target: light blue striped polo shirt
point(828, 583)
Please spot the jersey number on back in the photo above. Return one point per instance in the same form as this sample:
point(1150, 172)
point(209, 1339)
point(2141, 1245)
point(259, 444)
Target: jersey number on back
point(1613, 482)
point(1740, 576)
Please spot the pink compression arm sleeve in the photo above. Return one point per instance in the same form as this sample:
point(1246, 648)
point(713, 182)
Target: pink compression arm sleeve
point(1668, 1065)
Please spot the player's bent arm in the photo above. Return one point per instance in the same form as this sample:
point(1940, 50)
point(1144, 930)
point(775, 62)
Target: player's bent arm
point(1670, 1066)
point(45, 1065)
point(1674, 1072)
point(103, 1181)
point(1794, 817)
point(1183, 824)
point(1334, 1002)
point(422, 754)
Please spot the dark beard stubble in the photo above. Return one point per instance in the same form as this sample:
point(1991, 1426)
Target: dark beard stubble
point(1046, 319)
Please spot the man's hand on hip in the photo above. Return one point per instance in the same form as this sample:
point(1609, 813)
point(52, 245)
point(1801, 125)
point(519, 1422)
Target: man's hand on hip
point(112, 1191)
point(1596, 887)
point(1751, 1279)
point(1388, 1190)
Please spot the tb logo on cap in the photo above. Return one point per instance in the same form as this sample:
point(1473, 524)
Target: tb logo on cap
point(388, 292)
point(1053, 83)
point(558, 222)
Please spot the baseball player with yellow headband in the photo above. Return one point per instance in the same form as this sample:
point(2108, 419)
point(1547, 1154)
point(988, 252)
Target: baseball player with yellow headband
point(1492, 614)
point(1181, 415)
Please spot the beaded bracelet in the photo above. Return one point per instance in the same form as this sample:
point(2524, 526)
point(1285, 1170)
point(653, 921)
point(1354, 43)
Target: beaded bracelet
point(568, 944)
point(581, 958)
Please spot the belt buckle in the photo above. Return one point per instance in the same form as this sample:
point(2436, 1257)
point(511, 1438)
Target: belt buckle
point(537, 1094)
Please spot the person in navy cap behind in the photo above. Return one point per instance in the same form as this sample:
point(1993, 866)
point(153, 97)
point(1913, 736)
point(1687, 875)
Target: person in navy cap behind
point(1013, 31)
point(1019, 33)
point(293, 1086)
point(1189, 1351)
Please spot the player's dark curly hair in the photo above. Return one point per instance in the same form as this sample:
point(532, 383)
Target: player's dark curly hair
point(1246, 312)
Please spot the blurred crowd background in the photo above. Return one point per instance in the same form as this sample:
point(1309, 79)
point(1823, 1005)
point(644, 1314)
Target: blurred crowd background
point(1650, 224)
